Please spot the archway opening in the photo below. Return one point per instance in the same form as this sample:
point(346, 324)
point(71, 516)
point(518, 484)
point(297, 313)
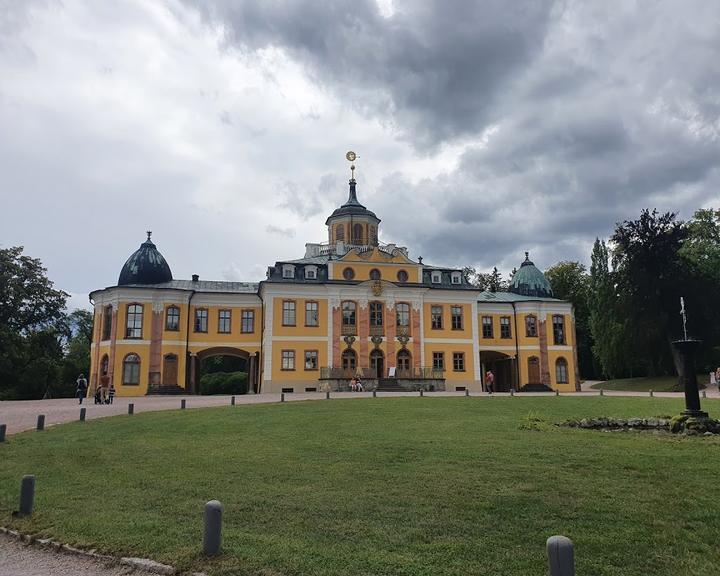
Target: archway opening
point(503, 367)
point(223, 370)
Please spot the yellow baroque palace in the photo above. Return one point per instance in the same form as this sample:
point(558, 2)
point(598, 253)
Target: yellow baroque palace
point(351, 307)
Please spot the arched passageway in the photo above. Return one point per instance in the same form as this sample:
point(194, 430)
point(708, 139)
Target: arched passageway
point(503, 367)
point(222, 359)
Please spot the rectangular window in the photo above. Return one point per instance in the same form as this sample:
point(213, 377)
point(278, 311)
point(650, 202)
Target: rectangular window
point(505, 327)
point(172, 319)
point(403, 314)
point(133, 326)
point(311, 359)
point(458, 361)
point(561, 371)
point(376, 313)
point(201, 320)
point(559, 329)
point(530, 326)
point(288, 318)
point(288, 359)
point(438, 360)
point(487, 326)
point(311, 314)
point(224, 321)
point(348, 313)
point(247, 325)
point(456, 317)
point(107, 323)
point(436, 317)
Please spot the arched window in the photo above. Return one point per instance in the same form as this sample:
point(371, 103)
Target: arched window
point(107, 322)
point(104, 365)
point(374, 274)
point(172, 319)
point(533, 370)
point(133, 324)
point(357, 232)
point(170, 370)
point(373, 236)
point(131, 370)
point(404, 360)
point(349, 359)
point(561, 371)
point(348, 273)
point(403, 314)
point(402, 276)
point(340, 232)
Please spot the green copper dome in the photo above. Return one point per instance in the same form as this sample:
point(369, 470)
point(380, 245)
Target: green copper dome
point(145, 266)
point(529, 281)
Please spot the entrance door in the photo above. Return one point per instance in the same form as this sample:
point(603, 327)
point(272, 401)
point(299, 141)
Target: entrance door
point(170, 370)
point(403, 364)
point(533, 370)
point(377, 363)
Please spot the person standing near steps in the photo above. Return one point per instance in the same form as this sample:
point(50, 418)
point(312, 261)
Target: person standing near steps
point(81, 388)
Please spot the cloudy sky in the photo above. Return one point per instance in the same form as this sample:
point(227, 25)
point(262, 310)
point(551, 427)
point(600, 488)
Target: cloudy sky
point(483, 128)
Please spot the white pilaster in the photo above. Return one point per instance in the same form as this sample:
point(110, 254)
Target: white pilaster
point(267, 339)
point(476, 342)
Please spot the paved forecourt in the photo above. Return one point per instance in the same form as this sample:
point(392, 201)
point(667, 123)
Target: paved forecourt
point(21, 415)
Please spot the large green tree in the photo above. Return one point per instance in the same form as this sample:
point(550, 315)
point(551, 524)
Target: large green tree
point(31, 326)
point(78, 333)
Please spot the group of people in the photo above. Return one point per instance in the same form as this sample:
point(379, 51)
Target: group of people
point(356, 385)
point(715, 377)
point(104, 394)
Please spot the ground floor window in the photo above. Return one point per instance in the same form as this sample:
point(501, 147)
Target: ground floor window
point(288, 359)
point(311, 359)
point(131, 370)
point(561, 371)
point(458, 361)
point(349, 360)
point(438, 360)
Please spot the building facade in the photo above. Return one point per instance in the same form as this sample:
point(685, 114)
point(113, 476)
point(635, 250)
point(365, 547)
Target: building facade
point(351, 307)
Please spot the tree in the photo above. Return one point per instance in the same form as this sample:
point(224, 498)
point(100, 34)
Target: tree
point(570, 281)
point(31, 316)
point(79, 327)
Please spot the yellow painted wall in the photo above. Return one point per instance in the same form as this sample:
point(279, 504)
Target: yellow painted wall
point(447, 331)
point(299, 374)
point(299, 330)
point(496, 340)
point(553, 355)
point(448, 349)
point(121, 351)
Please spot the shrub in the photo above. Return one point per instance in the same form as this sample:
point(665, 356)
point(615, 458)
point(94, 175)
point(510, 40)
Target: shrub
point(224, 383)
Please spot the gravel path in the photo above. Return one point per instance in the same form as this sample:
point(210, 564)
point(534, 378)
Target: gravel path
point(18, 559)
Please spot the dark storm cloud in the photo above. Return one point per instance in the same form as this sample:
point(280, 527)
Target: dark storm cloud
point(435, 69)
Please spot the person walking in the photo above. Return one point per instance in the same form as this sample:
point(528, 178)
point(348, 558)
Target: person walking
point(489, 381)
point(111, 394)
point(81, 388)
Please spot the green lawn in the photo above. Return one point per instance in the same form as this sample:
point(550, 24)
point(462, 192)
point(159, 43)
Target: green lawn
point(656, 383)
point(426, 486)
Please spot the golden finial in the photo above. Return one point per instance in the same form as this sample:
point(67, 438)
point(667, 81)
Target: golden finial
point(351, 158)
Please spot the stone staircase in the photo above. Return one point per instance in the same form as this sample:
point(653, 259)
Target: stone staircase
point(390, 385)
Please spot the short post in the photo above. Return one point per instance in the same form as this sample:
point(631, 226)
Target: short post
point(27, 495)
point(602, 392)
point(83, 412)
point(467, 392)
point(213, 527)
point(557, 392)
point(421, 393)
point(374, 393)
point(704, 394)
point(327, 394)
point(232, 400)
point(651, 393)
point(512, 391)
point(282, 396)
point(561, 559)
point(41, 422)
point(182, 404)
point(3, 429)
point(131, 408)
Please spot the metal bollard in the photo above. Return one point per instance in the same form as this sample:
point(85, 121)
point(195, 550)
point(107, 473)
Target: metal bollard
point(374, 393)
point(652, 394)
point(27, 495)
point(467, 392)
point(3, 429)
point(421, 393)
point(512, 391)
point(182, 404)
point(131, 408)
point(602, 392)
point(282, 396)
point(557, 392)
point(41, 422)
point(213, 528)
point(327, 395)
point(561, 559)
point(704, 394)
point(232, 400)
point(83, 412)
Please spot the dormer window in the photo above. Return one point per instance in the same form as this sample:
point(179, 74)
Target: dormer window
point(436, 277)
point(456, 278)
point(288, 271)
point(310, 272)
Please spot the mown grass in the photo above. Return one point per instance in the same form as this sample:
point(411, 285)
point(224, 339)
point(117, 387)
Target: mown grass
point(656, 383)
point(408, 486)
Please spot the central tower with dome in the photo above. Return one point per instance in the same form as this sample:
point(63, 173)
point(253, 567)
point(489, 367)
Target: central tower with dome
point(350, 307)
